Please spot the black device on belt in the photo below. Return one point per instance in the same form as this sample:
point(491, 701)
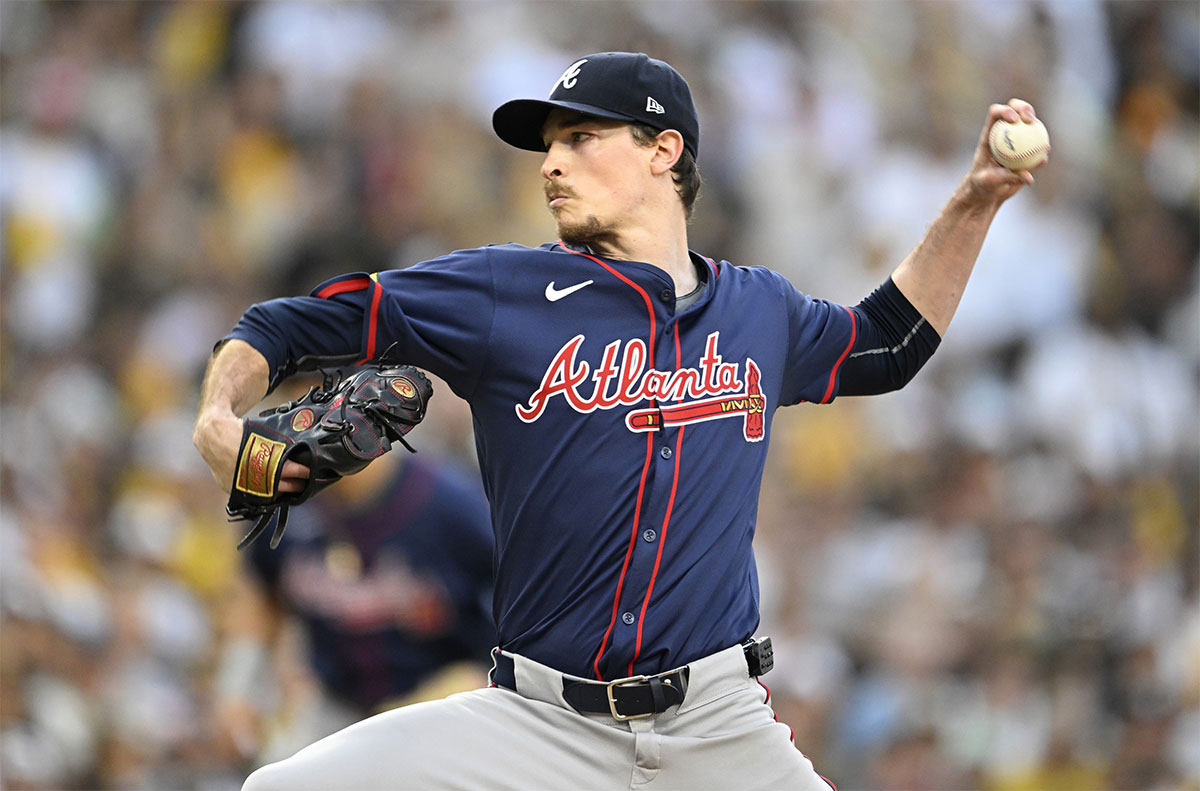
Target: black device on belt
point(760, 656)
point(636, 696)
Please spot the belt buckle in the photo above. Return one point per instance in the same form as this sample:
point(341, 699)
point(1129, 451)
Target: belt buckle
point(612, 701)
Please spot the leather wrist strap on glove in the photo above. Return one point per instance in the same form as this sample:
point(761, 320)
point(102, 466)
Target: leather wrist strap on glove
point(335, 430)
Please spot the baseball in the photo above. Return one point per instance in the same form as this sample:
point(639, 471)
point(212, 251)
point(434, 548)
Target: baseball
point(1020, 145)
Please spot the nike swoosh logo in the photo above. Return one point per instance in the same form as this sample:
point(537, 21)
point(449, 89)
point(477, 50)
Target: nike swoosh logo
point(555, 294)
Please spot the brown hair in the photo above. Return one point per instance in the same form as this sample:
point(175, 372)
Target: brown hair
point(685, 173)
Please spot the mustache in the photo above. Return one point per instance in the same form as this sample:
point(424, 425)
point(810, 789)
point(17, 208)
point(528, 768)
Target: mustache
point(553, 189)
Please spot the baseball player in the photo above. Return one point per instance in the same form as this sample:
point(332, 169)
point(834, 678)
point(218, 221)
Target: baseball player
point(622, 388)
point(389, 575)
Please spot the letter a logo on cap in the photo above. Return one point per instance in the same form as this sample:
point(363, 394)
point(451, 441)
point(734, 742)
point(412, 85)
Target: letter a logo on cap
point(653, 106)
point(571, 75)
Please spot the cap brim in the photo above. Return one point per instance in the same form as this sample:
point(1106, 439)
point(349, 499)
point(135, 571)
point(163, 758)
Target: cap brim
point(519, 122)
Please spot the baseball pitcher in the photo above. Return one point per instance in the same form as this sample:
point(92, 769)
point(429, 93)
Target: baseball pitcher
point(622, 388)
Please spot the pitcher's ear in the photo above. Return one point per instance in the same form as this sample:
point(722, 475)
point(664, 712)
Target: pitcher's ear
point(668, 149)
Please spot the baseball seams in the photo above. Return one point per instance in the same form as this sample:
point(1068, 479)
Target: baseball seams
point(1020, 145)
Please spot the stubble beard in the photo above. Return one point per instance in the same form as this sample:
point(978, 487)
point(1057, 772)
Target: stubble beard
point(589, 233)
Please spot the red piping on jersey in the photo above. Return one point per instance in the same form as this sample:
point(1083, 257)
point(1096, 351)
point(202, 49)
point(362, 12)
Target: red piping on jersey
point(833, 374)
point(342, 286)
point(637, 516)
point(662, 540)
point(713, 264)
point(372, 323)
point(662, 533)
point(637, 511)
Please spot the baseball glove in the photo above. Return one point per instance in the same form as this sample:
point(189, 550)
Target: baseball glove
point(335, 430)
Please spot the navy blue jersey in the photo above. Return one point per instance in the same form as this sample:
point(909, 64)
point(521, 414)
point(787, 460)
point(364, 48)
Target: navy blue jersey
point(390, 589)
point(622, 445)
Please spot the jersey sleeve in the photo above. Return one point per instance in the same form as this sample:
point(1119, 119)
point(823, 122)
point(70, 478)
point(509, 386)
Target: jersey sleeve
point(301, 333)
point(821, 335)
point(877, 346)
point(435, 315)
point(439, 313)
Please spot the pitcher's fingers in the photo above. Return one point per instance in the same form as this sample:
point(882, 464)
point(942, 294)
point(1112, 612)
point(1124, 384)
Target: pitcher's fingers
point(1002, 112)
point(294, 477)
point(1023, 108)
point(294, 469)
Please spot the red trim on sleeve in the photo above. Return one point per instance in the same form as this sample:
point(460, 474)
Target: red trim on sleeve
point(833, 373)
point(342, 286)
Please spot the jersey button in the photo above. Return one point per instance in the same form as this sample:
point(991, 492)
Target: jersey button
point(628, 618)
point(649, 536)
point(667, 295)
point(665, 453)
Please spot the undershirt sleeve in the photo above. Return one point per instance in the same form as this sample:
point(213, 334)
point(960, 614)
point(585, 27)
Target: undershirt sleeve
point(894, 341)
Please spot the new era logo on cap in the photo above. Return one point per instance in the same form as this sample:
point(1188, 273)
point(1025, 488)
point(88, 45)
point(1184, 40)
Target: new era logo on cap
point(623, 86)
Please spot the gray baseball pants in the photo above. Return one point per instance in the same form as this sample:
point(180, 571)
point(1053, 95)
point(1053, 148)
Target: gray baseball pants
point(723, 736)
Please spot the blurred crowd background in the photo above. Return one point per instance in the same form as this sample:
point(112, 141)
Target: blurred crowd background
point(988, 580)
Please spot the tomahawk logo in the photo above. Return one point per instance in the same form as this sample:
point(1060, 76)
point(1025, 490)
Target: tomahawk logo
point(711, 391)
point(571, 75)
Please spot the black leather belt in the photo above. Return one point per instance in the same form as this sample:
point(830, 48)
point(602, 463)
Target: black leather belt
point(628, 698)
point(637, 696)
point(622, 698)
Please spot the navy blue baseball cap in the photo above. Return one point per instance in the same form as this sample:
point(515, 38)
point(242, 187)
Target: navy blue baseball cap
point(623, 86)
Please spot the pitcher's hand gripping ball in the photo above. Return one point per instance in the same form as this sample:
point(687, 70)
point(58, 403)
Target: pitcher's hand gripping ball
point(335, 430)
point(1020, 145)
